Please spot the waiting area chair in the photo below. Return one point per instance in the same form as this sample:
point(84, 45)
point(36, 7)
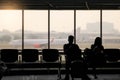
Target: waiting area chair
point(94, 60)
point(79, 70)
point(10, 58)
point(9, 55)
point(29, 55)
point(51, 59)
point(112, 55)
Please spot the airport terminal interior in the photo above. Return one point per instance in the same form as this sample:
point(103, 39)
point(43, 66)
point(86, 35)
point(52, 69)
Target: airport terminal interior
point(33, 34)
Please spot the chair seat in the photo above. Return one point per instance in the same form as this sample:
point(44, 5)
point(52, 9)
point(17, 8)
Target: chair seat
point(29, 55)
point(51, 59)
point(9, 55)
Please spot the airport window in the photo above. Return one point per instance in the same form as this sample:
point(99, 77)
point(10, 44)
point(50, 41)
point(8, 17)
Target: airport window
point(111, 28)
point(36, 29)
point(87, 27)
point(61, 26)
point(10, 29)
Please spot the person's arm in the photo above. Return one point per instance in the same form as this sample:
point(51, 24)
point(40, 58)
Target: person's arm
point(64, 48)
point(92, 46)
point(102, 49)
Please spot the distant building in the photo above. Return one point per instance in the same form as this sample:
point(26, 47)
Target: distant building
point(95, 27)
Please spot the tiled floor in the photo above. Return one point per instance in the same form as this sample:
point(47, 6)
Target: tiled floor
point(54, 77)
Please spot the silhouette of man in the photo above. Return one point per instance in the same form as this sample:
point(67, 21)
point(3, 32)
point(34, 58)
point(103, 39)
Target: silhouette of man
point(72, 52)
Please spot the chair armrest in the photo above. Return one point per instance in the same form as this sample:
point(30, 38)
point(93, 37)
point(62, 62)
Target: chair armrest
point(40, 58)
point(19, 58)
point(60, 58)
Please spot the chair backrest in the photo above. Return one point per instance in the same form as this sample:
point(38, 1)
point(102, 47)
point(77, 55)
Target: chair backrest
point(50, 55)
point(112, 54)
point(29, 55)
point(94, 59)
point(88, 54)
point(78, 69)
point(9, 55)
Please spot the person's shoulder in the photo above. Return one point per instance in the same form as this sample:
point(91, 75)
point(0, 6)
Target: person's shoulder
point(75, 45)
point(92, 46)
point(65, 44)
point(102, 47)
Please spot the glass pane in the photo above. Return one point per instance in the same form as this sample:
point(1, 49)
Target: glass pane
point(36, 29)
point(61, 26)
point(111, 28)
point(10, 29)
point(87, 27)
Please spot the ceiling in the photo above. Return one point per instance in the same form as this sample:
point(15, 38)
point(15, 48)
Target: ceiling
point(60, 4)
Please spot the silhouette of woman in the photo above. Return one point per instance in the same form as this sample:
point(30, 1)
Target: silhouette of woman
point(98, 58)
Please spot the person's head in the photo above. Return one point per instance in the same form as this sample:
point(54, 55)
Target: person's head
point(98, 41)
point(70, 39)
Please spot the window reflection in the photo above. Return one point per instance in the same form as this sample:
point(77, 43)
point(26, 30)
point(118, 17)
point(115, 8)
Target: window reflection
point(111, 28)
point(10, 29)
point(61, 25)
point(36, 29)
point(87, 27)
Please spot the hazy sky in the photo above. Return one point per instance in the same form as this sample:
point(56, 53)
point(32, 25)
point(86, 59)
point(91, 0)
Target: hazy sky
point(60, 20)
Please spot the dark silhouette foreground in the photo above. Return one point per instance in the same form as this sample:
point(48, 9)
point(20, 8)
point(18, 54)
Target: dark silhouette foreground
point(73, 56)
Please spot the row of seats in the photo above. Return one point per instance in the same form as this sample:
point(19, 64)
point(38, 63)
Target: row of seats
point(31, 55)
point(50, 59)
point(51, 56)
point(28, 55)
point(111, 55)
point(104, 59)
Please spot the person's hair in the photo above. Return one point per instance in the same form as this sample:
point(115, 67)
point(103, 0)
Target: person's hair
point(97, 41)
point(70, 38)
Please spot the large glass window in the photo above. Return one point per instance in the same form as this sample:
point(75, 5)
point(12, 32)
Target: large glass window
point(111, 28)
point(10, 29)
point(61, 26)
point(87, 27)
point(36, 29)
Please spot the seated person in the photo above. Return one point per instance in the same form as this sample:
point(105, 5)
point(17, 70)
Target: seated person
point(97, 49)
point(72, 53)
point(97, 56)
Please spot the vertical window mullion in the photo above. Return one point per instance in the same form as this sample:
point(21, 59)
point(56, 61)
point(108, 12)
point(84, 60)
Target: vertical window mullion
point(48, 29)
point(22, 28)
point(75, 26)
point(101, 24)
